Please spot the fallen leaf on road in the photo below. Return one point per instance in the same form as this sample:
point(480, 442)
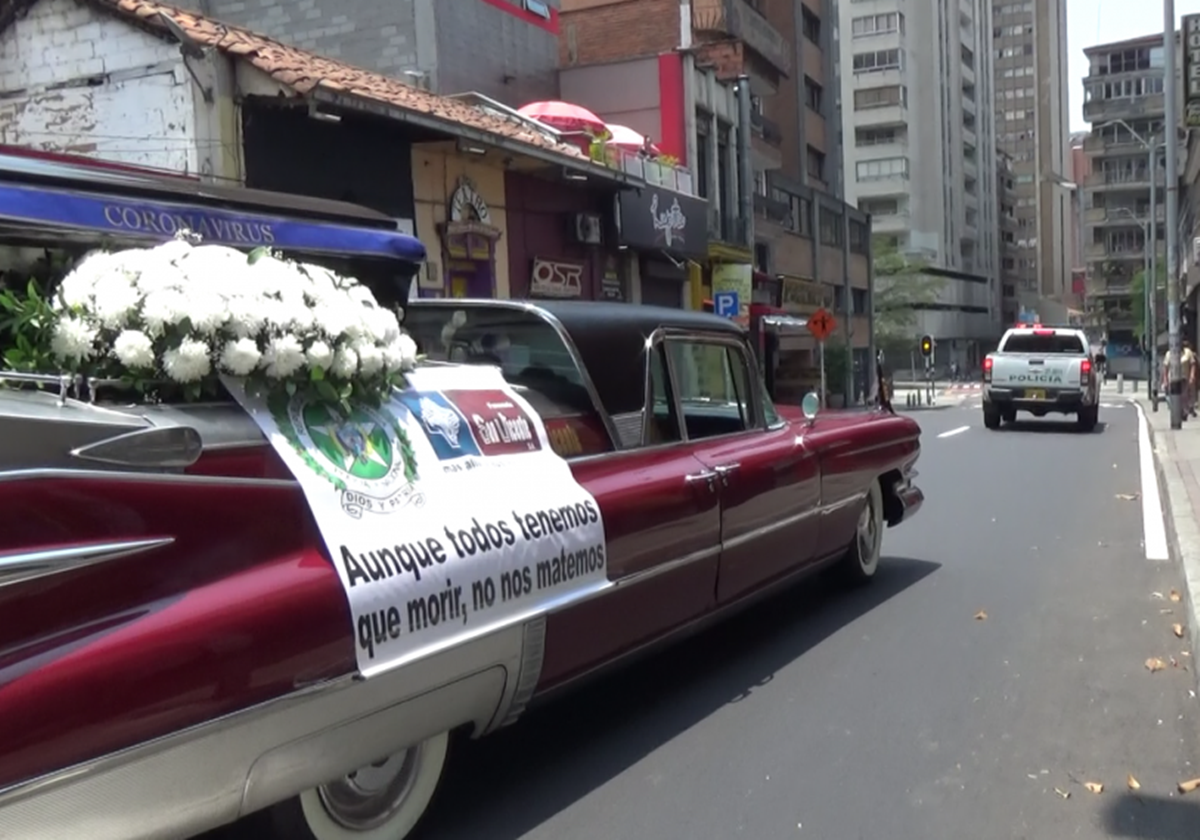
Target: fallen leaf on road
point(1189, 786)
point(1155, 664)
point(1133, 783)
point(1127, 497)
point(1066, 794)
point(1177, 629)
point(1157, 595)
point(1094, 787)
point(1175, 596)
point(1165, 612)
point(980, 616)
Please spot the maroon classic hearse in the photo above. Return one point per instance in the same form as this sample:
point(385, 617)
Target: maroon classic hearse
point(174, 650)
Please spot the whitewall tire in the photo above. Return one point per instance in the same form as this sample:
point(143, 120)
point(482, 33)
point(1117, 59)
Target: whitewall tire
point(382, 801)
point(862, 558)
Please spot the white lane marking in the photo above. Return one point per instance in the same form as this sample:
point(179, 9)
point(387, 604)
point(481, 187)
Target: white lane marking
point(1152, 510)
point(953, 432)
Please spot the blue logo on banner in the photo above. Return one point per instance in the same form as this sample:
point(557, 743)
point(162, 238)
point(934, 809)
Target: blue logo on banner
point(726, 304)
point(447, 429)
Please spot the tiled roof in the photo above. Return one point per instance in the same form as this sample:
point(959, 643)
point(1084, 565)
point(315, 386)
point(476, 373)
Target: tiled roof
point(305, 71)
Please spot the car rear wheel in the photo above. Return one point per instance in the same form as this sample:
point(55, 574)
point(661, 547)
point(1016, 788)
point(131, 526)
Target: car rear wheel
point(991, 417)
point(1088, 418)
point(382, 801)
point(862, 558)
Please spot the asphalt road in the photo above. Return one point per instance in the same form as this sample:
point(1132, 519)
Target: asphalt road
point(893, 713)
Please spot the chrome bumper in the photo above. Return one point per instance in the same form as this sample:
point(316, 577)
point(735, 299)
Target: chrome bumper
point(215, 773)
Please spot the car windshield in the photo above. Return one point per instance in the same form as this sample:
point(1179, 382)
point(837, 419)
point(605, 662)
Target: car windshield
point(1047, 344)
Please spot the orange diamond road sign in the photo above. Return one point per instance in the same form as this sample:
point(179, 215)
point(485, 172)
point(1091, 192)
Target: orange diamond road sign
point(821, 324)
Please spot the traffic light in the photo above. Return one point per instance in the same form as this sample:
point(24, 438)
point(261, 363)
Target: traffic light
point(927, 346)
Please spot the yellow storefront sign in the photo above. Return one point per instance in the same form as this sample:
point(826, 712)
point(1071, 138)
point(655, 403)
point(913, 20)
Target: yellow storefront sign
point(734, 277)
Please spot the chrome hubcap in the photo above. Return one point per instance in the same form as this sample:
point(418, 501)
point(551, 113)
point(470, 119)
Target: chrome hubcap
point(867, 529)
point(371, 795)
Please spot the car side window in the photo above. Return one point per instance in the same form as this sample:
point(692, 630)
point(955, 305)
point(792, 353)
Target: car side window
point(713, 382)
point(662, 420)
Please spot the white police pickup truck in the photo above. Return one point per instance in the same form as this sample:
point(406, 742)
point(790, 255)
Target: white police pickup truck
point(1042, 370)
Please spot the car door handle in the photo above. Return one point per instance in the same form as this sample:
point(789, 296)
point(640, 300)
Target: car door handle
point(724, 470)
point(705, 475)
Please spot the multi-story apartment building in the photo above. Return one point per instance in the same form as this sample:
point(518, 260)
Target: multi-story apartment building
point(1006, 196)
point(917, 112)
point(1029, 43)
point(778, 207)
point(1123, 102)
point(504, 49)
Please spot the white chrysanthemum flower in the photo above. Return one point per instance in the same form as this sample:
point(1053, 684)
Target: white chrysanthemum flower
point(189, 362)
point(246, 316)
point(163, 309)
point(345, 363)
point(385, 328)
point(174, 250)
point(284, 356)
point(114, 301)
point(73, 339)
point(207, 311)
point(320, 355)
point(401, 354)
point(240, 357)
point(335, 319)
point(360, 294)
point(134, 349)
point(370, 358)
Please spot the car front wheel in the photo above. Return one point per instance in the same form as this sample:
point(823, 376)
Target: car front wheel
point(382, 801)
point(862, 558)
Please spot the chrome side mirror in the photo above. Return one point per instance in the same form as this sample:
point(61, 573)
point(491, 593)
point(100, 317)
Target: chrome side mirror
point(810, 405)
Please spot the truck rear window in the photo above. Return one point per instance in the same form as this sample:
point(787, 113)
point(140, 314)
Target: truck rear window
point(1044, 344)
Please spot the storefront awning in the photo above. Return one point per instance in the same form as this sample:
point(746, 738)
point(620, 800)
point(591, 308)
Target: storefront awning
point(40, 208)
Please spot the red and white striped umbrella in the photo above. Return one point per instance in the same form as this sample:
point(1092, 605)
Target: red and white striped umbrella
point(563, 115)
point(626, 138)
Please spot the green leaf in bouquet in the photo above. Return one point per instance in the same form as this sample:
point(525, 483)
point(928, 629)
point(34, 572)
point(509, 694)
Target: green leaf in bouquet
point(290, 387)
point(317, 374)
point(326, 391)
point(346, 391)
point(257, 254)
point(194, 391)
point(186, 326)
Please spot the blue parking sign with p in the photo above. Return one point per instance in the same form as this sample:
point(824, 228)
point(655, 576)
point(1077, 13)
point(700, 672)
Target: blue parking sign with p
point(726, 304)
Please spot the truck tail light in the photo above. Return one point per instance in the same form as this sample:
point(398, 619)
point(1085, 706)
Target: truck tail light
point(987, 369)
point(1085, 371)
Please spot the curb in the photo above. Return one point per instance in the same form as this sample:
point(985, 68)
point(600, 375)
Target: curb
point(1172, 491)
point(909, 410)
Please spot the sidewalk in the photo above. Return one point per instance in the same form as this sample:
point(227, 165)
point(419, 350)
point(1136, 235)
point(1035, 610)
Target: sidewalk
point(1177, 463)
point(941, 398)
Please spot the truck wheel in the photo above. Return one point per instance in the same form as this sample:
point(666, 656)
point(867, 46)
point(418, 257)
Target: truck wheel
point(1087, 418)
point(862, 557)
point(991, 417)
point(382, 801)
point(1009, 415)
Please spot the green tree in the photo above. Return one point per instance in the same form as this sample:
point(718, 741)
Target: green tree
point(901, 286)
point(1137, 291)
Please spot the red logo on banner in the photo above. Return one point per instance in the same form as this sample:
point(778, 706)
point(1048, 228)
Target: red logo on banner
point(498, 424)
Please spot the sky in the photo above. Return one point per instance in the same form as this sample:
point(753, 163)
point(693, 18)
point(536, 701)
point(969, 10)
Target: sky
point(1091, 22)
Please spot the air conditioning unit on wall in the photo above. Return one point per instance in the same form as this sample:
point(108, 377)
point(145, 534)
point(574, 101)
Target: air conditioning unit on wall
point(588, 228)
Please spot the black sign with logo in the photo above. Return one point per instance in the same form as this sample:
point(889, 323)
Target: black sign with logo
point(654, 218)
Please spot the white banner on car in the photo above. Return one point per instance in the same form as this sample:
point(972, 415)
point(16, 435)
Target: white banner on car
point(445, 510)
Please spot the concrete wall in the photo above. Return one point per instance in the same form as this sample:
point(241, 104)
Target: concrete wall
point(78, 82)
point(491, 46)
point(622, 92)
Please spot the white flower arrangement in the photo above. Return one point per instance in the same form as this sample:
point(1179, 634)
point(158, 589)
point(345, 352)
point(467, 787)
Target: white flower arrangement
point(185, 314)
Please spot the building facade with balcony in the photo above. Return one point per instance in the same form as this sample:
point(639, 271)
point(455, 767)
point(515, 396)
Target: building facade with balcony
point(1010, 275)
point(1029, 51)
point(634, 62)
point(1123, 194)
point(916, 112)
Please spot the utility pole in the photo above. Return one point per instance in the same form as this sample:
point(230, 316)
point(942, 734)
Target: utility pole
point(1152, 277)
point(1171, 124)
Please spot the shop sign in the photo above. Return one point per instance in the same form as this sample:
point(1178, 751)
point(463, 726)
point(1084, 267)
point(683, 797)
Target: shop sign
point(611, 287)
point(660, 219)
point(801, 297)
point(1190, 26)
point(552, 278)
